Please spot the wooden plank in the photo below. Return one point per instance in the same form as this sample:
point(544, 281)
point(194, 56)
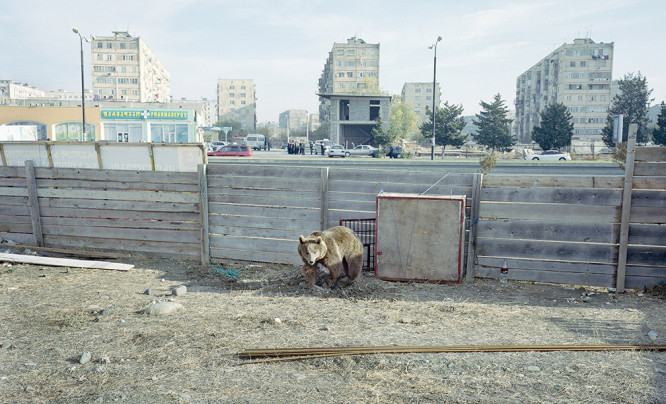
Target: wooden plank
point(13, 182)
point(259, 245)
point(262, 192)
point(94, 174)
point(550, 211)
point(203, 203)
point(262, 223)
point(121, 223)
point(640, 282)
point(13, 200)
point(155, 248)
point(279, 183)
point(260, 233)
point(424, 178)
point(13, 191)
point(16, 210)
point(119, 214)
point(548, 230)
point(533, 249)
point(650, 153)
point(640, 214)
point(644, 197)
point(567, 278)
point(548, 266)
point(144, 196)
point(651, 169)
point(117, 185)
point(374, 188)
point(245, 170)
point(10, 218)
point(472, 226)
point(16, 227)
point(651, 271)
point(646, 255)
point(9, 172)
point(598, 197)
point(64, 262)
point(21, 238)
point(367, 206)
point(650, 183)
point(554, 180)
point(33, 202)
point(264, 211)
point(97, 204)
point(269, 257)
point(647, 234)
point(185, 236)
point(96, 254)
point(268, 200)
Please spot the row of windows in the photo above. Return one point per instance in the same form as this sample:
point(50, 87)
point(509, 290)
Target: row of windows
point(352, 52)
point(589, 86)
point(112, 80)
point(592, 75)
point(110, 57)
point(241, 95)
point(112, 69)
point(588, 52)
point(352, 63)
point(602, 109)
point(589, 120)
point(232, 102)
point(360, 74)
point(589, 98)
point(121, 45)
point(233, 87)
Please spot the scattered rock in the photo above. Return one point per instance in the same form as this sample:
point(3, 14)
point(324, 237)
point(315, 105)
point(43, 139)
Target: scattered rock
point(104, 360)
point(533, 369)
point(586, 299)
point(179, 290)
point(85, 358)
point(612, 290)
point(640, 294)
point(164, 308)
point(277, 320)
point(147, 292)
point(569, 370)
point(405, 320)
point(653, 335)
point(109, 310)
point(6, 345)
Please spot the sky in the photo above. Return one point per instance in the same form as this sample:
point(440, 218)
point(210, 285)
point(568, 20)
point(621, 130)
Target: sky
point(283, 45)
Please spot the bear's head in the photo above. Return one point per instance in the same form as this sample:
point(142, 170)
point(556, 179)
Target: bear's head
point(312, 249)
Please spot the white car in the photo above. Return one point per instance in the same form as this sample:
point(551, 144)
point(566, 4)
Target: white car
point(338, 151)
point(362, 150)
point(549, 155)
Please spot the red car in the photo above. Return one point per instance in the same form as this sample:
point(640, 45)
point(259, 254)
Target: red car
point(232, 150)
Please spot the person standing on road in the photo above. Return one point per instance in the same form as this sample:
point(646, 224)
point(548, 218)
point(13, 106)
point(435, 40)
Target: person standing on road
point(322, 149)
point(311, 148)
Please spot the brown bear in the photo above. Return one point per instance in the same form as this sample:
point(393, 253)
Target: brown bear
point(337, 248)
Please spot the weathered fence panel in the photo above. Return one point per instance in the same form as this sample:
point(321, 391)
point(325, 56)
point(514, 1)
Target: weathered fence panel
point(136, 211)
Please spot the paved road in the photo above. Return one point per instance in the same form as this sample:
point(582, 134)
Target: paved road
point(451, 164)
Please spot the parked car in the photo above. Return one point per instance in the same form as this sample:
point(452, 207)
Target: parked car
point(395, 152)
point(284, 145)
point(218, 145)
point(232, 150)
point(338, 151)
point(549, 155)
point(362, 150)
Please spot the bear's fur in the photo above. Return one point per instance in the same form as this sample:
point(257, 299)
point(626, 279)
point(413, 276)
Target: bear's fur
point(337, 248)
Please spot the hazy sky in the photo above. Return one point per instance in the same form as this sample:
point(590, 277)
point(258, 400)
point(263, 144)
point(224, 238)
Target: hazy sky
point(283, 45)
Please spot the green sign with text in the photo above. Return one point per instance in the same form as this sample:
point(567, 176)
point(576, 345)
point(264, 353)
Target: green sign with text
point(144, 114)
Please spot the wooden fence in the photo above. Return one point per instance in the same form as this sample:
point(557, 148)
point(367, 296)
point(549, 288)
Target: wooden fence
point(142, 211)
point(562, 229)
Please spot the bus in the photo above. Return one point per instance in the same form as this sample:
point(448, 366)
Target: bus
point(255, 141)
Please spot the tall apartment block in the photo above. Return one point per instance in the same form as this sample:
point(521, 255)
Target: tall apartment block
point(351, 68)
point(236, 101)
point(125, 69)
point(577, 75)
point(419, 95)
point(294, 119)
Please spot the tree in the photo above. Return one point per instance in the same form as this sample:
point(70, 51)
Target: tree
point(404, 122)
point(235, 125)
point(631, 101)
point(494, 128)
point(659, 132)
point(381, 136)
point(449, 124)
point(555, 129)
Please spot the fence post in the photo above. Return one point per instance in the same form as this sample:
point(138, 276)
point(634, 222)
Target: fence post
point(477, 182)
point(203, 207)
point(33, 202)
point(324, 198)
point(626, 208)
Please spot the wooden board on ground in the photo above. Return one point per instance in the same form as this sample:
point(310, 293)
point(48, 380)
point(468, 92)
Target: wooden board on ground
point(63, 262)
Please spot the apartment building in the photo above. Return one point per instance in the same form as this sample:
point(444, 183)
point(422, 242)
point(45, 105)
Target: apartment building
point(12, 90)
point(236, 100)
point(125, 69)
point(577, 75)
point(294, 119)
point(419, 95)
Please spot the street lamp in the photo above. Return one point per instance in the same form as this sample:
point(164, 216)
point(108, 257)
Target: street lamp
point(83, 91)
point(434, 78)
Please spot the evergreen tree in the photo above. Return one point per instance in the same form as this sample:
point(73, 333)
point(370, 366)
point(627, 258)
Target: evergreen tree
point(381, 136)
point(632, 101)
point(494, 128)
point(449, 124)
point(555, 129)
point(659, 132)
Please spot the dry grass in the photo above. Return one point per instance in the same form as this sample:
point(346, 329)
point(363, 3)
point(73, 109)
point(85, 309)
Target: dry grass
point(50, 316)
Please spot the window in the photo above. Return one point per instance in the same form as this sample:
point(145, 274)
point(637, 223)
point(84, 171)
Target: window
point(135, 92)
point(232, 87)
point(418, 90)
point(123, 69)
point(109, 45)
point(108, 57)
point(351, 63)
point(344, 110)
point(572, 64)
point(123, 45)
point(350, 74)
point(100, 45)
point(428, 97)
point(351, 52)
point(583, 64)
point(243, 102)
point(232, 102)
point(128, 57)
point(338, 62)
point(341, 52)
point(341, 74)
point(374, 109)
point(428, 90)
point(361, 74)
point(134, 81)
point(242, 95)
point(243, 87)
point(232, 94)
point(580, 98)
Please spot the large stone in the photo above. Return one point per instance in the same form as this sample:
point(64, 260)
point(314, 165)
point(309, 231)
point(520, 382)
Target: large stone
point(164, 308)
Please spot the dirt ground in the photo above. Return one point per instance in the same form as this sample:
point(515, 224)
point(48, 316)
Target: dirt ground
point(51, 316)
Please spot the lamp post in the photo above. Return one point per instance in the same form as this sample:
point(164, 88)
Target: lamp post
point(434, 79)
point(83, 91)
